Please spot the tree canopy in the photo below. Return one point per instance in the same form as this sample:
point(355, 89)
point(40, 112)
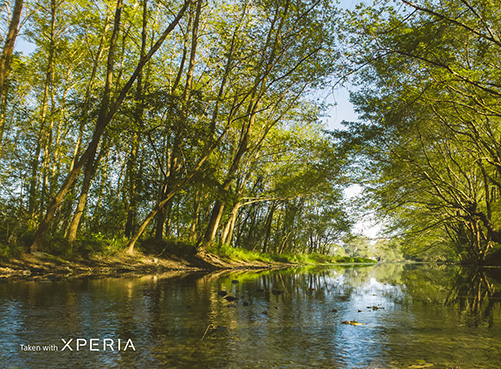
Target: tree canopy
point(428, 91)
point(192, 120)
point(197, 121)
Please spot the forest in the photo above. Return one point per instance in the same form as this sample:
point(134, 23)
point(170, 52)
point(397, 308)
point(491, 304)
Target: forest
point(137, 123)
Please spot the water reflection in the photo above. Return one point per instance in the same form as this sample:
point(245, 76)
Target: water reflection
point(476, 295)
point(407, 316)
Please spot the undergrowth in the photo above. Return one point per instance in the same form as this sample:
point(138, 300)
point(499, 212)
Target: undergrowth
point(238, 254)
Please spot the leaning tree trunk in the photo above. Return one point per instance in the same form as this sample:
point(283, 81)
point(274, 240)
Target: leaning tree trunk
point(217, 210)
point(230, 225)
point(43, 141)
point(90, 169)
point(165, 212)
point(214, 142)
point(132, 187)
point(258, 89)
point(102, 122)
point(6, 60)
point(10, 40)
point(268, 224)
point(138, 116)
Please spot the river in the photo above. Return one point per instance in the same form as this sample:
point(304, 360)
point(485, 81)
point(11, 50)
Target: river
point(381, 316)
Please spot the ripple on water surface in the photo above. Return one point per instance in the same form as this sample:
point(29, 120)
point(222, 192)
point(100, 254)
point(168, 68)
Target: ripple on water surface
point(382, 316)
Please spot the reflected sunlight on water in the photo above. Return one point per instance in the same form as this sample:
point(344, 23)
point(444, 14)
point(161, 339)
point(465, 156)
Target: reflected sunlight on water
point(383, 316)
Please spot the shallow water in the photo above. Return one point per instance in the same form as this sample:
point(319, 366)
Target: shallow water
point(405, 316)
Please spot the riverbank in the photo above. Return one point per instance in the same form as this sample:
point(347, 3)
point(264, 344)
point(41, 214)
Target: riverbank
point(44, 266)
point(40, 265)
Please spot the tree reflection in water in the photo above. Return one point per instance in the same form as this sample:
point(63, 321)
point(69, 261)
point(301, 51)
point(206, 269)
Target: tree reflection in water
point(476, 292)
point(409, 314)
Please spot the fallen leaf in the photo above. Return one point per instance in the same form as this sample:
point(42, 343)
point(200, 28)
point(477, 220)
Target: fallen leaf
point(351, 322)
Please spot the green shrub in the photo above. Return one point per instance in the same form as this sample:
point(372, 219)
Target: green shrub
point(238, 254)
point(97, 244)
point(11, 250)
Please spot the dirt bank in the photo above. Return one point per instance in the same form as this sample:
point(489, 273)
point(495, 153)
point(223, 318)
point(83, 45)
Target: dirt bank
point(39, 266)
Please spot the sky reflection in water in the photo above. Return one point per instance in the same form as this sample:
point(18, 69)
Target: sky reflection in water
point(409, 316)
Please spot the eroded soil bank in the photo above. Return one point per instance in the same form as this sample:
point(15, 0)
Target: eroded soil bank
point(39, 266)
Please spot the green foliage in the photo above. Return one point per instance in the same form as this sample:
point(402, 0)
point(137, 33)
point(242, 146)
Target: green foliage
point(494, 257)
point(9, 250)
point(386, 250)
point(238, 254)
point(221, 117)
point(97, 244)
point(16, 232)
point(428, 84)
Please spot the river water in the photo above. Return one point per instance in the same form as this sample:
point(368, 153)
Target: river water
point(382, 316)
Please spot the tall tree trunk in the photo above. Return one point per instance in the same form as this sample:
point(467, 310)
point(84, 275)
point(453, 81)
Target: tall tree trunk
point(90, 169)
point(138, 116)
point(265, 65)
point(217, 210)
point(250, 240)
point(268, 224)
point(230, 225)
point(89, 88)
point(195, 217)
point(102, 122)
point(91, 150)
point(71, 227)
point(180, 182)
point(10, 40)
point(163, 214)
point(212, 227)
point(131, 184)
point(91, 163)
point(43, 138)
point(160, 226)
point(174, 166)
point(6, 60)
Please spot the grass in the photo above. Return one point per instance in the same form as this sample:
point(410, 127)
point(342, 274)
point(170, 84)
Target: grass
point(238, 254)
point(98, 245)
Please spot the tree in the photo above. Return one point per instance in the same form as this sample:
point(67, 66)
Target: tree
point(429, 85)
point(131, 121)
point(6, 59)
point(106, 114)
point(306, 65)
